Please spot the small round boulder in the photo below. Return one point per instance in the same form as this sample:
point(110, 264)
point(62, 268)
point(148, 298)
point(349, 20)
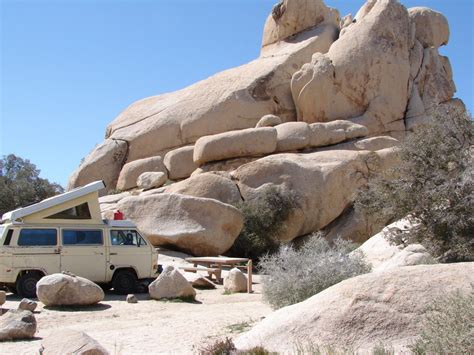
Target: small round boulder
point(68, 290)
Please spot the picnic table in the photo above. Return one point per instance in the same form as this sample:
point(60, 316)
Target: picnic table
point(217, 263)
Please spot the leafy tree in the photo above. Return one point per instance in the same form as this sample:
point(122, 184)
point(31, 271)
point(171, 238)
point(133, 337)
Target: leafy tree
point(433, 187)
point(20, 184)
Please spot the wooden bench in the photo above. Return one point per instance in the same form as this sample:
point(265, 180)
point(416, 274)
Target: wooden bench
point(210, 270)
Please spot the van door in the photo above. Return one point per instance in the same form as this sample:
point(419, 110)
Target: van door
point(83, 253)
point(35, 248)
point(128, 249)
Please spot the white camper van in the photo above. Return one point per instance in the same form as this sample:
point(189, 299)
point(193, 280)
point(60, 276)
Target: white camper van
point(66, 233)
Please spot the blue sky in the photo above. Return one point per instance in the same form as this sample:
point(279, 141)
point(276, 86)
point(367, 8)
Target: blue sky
point(69, 67)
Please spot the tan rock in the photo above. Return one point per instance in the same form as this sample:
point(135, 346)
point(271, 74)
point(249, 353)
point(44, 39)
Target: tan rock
point(234, 144)
point(3, 297)
point(179, 162)
point(268, 121)
point(292, 136)
point(235, 281)
point(131, 298)
point(151, 180)
point(323, 184)
point(377, 143)
point(111, 199)
point(223, 166)
point(347, 83)
point(17, 324)
point(231, 100)
point(131, 171)
point(68, 341)
point(432, 28)
point(199, 281)
point(361, 312)
point(434, 80)
point(208, 185)
point(103, 163)
point(329, 133)
point(200, 226)
point(383, 254)
point(354, 226)
point(171, 284)
point(68, 290)
point(27, 305)
point(290, 17)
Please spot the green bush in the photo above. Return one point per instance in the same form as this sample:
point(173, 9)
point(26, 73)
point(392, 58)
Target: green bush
point(264, 217)
point(433, 187)
point(293, 275)
point(448, 327)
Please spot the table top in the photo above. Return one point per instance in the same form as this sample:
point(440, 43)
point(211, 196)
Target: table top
point(216, 259)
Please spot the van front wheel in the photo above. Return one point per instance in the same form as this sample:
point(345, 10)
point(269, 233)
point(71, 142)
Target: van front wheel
point(26, 285)
point(124, 282)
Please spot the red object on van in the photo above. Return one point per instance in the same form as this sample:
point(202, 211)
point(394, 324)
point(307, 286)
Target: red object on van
point(118, 216)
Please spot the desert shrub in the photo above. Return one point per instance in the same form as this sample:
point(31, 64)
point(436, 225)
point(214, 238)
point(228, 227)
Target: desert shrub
point(219, 347)
point(227, 347)
point(264, 216)
point(20, 184)
point(448, 327)
point(293, 275)
point(433, 186)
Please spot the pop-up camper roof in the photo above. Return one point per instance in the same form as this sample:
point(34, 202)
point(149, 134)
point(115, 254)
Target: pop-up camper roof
point(81, 204)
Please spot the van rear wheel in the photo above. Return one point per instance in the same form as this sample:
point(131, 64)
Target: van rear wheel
point(26, 285)
point(124, 282)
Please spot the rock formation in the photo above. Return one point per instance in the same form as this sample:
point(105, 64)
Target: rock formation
point(323, 108)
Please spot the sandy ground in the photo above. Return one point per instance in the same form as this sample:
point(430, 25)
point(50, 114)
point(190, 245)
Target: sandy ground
point(150, 326)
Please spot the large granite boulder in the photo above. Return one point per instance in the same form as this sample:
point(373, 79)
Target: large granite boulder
point(361, 312)
point(243, 143)
point(208, 185)
point(68, 341)
point(290, 17)
point(171, 284)
point(151, 180)
point(131, 171)
point(199, 226)
point(66, 289)
point(103, 163)
point(179, 162)
point(431, 27)
point(347, 83)
point(382, 253)
point(322, 183)
point(17, 324)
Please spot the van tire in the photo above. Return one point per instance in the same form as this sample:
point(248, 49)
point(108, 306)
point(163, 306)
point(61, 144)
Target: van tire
point(26, 284)
point(124, 282)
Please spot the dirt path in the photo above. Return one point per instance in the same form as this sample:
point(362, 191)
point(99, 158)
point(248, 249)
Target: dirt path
point(150, 327)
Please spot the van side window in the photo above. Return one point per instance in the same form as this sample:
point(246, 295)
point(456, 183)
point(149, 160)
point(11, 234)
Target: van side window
point(126, 237)
point(8, 237)
point(82, 237)
point(77, 212)
point(37, 237)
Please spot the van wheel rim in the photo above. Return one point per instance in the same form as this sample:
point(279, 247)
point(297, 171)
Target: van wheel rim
point(29, 286)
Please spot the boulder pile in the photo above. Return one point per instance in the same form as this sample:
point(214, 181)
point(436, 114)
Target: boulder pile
point(321, 110)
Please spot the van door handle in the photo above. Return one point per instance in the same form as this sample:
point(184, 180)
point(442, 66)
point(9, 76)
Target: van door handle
point(113, 254)
point(97, 253)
